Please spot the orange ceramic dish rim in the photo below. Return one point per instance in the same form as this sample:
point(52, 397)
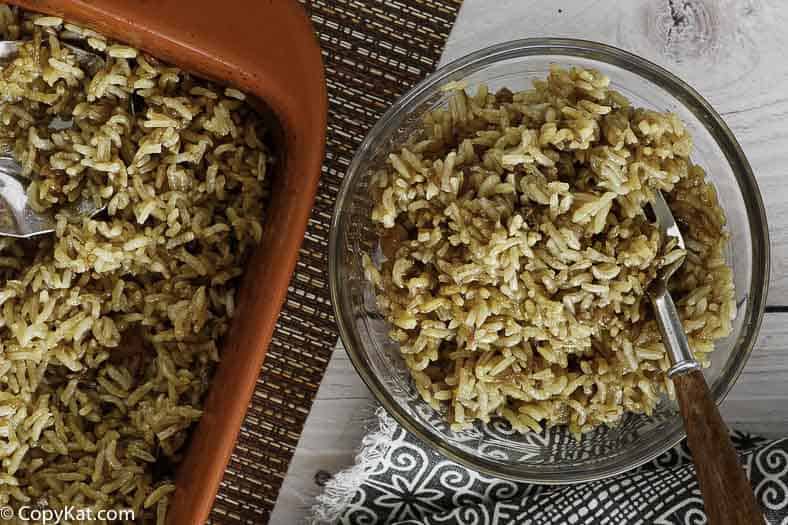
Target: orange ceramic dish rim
point(267, 49)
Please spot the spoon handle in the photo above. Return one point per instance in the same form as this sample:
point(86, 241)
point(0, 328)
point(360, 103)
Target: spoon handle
point(727, 495)
point(673, 336)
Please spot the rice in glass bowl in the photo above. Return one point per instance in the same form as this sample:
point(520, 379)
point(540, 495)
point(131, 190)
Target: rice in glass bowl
point(495, 447)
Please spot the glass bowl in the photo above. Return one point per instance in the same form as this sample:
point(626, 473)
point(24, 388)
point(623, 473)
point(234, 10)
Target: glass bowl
point(553, 456)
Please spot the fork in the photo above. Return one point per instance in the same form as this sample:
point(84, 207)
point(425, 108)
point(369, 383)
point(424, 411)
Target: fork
point(727, 494)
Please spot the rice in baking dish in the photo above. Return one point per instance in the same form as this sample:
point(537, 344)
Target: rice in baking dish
point(110, 326)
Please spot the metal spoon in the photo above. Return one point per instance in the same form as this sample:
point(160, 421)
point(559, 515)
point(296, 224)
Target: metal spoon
point(727, 494)
point(17, 218)
point(92, 62)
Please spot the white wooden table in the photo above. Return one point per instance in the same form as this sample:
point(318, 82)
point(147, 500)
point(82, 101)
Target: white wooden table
point(734, 53)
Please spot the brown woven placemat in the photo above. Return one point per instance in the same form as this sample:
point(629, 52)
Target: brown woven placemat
point(373, 51)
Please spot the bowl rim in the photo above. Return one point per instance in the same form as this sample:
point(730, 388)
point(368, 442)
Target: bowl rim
point(570, 48)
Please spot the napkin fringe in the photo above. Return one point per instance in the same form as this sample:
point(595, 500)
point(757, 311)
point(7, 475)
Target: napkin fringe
point(339, 491)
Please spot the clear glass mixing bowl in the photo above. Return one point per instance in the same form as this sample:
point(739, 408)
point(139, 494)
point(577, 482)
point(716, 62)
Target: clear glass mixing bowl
point(553, 456)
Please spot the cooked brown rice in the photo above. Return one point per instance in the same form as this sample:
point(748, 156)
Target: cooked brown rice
point(110, 327)
point(516, 253)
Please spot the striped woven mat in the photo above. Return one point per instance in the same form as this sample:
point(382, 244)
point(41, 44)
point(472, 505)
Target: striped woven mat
point(373, 51)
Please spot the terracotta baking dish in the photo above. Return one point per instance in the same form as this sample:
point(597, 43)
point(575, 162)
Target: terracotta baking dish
point(266, 48)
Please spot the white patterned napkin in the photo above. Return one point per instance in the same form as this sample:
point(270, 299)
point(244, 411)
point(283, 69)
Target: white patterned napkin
point(399, 481)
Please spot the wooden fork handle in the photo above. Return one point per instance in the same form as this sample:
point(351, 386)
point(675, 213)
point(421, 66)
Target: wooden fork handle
point(727, 495)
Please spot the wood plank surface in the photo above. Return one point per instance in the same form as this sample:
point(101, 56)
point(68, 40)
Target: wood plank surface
point(732, 52)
